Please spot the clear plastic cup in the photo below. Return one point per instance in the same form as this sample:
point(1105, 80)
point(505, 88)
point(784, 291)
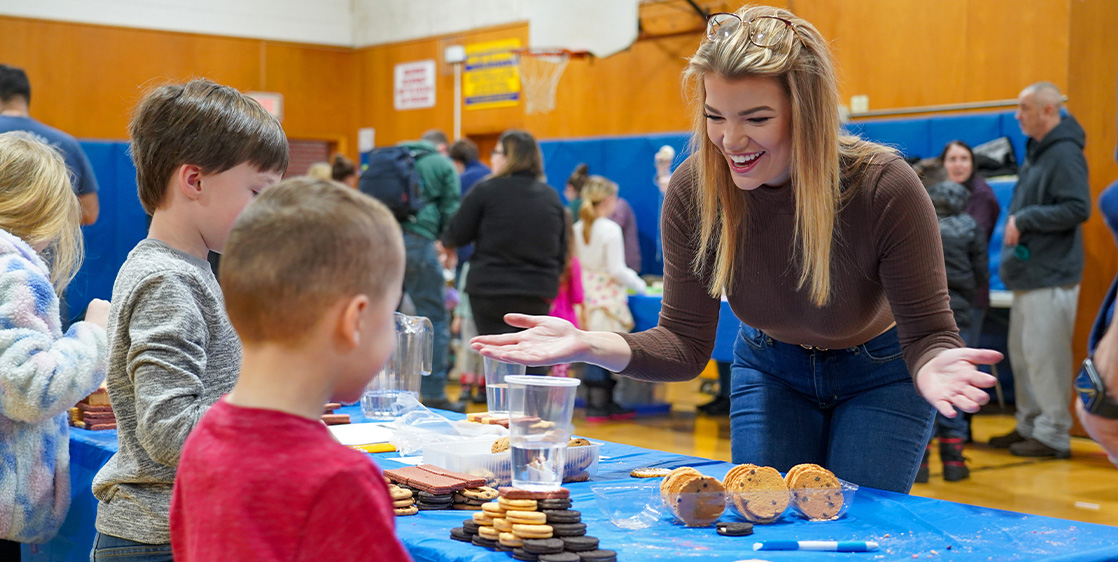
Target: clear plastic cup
point(496, 389)
point(540, 410)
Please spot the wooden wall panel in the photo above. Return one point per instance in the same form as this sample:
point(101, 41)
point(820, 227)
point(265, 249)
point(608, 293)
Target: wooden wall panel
point(85, 79)
point(1092, 70)
point(906, 53)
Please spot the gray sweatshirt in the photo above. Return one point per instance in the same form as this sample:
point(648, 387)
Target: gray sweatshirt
point(172, 354)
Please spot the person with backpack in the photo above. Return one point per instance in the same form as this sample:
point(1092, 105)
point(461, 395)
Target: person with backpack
point(420, 186)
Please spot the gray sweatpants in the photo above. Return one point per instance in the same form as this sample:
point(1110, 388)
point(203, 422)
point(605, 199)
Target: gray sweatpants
point(1040, 330)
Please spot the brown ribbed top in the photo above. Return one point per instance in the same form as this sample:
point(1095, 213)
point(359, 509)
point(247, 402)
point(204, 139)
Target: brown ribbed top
point(887, 264)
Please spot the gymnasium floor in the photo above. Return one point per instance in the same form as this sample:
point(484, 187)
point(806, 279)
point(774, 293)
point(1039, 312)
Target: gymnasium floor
point(1084, 488)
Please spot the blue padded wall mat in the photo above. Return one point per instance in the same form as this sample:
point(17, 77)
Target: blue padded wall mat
point(120, 226)
point(627, 161)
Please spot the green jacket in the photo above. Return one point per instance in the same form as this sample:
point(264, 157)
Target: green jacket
point(441, 191)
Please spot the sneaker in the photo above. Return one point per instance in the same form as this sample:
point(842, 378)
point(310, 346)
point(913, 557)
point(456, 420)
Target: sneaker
point(1033, 448)
point(720, 406)
point(1004, 441)
point(444, 404)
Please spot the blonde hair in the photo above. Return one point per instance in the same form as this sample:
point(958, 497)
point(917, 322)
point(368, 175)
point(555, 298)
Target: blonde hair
point(821, 156)
point(320, 171)
point(37, 203)
point(594, 191)
point(300, 247)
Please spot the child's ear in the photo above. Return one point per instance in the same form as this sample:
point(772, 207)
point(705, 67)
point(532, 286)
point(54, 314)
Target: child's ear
point(351, 322)
point(189, 180)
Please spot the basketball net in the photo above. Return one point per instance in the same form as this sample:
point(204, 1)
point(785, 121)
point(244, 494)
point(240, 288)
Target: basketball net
point(540, 72)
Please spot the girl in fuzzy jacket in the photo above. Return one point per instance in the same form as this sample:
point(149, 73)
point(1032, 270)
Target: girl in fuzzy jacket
point(43, 372)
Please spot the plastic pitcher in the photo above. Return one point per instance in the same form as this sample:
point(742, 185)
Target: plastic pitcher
point(410, 360)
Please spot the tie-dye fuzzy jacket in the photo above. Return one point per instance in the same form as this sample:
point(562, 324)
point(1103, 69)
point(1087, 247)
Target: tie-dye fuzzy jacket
point(42, 374)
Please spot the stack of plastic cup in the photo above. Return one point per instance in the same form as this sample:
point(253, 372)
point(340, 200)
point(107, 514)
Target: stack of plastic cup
point(540, 410)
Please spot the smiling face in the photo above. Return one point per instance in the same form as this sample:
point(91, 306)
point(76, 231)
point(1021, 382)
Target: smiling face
point(958, 163)
point(750, 121)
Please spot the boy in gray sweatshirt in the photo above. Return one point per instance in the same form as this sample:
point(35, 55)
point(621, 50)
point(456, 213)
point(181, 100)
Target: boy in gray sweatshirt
point(202, 152)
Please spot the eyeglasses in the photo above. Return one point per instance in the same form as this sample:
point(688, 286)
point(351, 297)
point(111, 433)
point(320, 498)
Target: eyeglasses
point(764, 31)
point(497, 152)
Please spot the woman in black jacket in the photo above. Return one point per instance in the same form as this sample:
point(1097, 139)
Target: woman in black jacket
point(519, 233)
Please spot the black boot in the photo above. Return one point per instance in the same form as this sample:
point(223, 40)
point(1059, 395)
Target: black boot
point(922, 474)
point(954, 464)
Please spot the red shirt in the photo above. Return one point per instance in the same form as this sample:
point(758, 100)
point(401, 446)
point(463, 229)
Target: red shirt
point(264, 485)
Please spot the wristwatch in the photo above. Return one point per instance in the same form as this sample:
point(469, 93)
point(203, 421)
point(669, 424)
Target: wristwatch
point(1092, 392)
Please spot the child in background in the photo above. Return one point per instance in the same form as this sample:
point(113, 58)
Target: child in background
point(43, 372)
point(312, 275)
point(964, 251)
point(202, 152)
point(605, 278)
point(570, 292)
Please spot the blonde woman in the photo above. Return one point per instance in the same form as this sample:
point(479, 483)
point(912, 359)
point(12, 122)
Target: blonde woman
point(43, 371)
point(826, 247)
point(600, 247)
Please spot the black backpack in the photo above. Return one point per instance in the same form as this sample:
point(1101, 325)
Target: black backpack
point(392, 179)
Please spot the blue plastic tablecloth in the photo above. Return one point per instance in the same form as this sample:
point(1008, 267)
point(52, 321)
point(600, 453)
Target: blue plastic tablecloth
point(646, 315)
point(907, 527)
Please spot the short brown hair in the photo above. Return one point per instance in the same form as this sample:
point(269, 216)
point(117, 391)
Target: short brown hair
point(299, 248)
point(208, 125)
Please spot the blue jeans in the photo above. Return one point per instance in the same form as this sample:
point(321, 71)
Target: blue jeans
point(424, 283)
point(855, 411)
point(107, 548)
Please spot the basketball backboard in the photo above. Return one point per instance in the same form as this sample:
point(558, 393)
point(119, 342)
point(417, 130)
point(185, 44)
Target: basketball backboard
point(601, 27)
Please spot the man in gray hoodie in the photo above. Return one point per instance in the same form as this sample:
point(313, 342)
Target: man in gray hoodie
point(1042, 262)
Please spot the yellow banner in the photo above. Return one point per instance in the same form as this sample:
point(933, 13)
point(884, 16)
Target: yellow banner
point(492, 77)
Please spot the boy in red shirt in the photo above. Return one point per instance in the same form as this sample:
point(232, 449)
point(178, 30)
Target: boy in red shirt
point(311, 276)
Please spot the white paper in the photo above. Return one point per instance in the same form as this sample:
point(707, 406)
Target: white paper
point(362, 433)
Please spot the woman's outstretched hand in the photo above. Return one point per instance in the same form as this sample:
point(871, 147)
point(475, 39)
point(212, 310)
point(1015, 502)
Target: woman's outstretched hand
point(546, 340)
point(951, 380)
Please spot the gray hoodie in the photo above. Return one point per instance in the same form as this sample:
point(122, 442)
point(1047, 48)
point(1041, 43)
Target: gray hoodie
point(1051, 200)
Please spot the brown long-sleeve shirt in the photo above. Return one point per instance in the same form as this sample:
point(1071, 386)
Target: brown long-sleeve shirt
point(887, 265)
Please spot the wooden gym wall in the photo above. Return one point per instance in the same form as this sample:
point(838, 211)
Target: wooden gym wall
point(85, 79)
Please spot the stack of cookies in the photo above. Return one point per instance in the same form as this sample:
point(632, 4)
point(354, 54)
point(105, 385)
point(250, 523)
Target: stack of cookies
point(403, 499)
point(816, 492)
point(696, 499)
point(757, 493)
point(533, 526)
point(434, 488)
point(94, 412)
point(330, 418)
point(471, 499)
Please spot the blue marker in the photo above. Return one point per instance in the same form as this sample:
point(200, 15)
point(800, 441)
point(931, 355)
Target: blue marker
point(829, 546)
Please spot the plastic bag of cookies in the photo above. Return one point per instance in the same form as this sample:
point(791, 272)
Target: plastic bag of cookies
point(757, 494)
point(817, 494)
point(695, 499)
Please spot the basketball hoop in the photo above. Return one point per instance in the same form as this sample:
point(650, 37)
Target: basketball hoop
point(540, 71)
